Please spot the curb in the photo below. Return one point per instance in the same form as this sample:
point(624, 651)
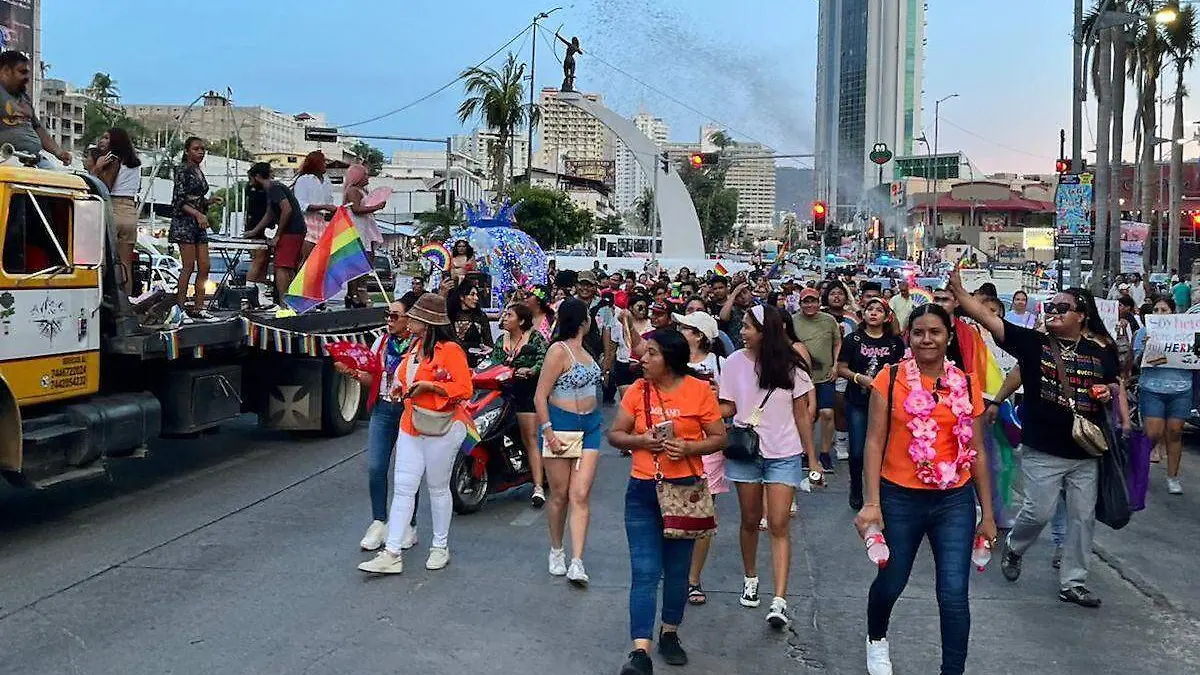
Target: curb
point(1137, 580)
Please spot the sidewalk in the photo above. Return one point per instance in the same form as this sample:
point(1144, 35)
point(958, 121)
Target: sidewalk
point(1158, 550)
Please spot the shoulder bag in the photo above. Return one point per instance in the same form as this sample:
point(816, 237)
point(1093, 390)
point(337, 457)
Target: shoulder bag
point(426, 422)
point(1086, 433)
point(686, 505)
point(571, 441)
point(743, 444)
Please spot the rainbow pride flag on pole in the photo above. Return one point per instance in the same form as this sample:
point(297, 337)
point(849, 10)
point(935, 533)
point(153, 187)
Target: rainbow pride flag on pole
point(338, 258)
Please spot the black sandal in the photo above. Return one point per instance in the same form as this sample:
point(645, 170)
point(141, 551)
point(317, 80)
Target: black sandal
point(696, 595)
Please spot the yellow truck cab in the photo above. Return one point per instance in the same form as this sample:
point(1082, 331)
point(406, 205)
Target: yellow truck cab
point(87, 378)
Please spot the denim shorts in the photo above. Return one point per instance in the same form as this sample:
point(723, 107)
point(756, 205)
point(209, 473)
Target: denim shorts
point(1165, 406)
point(589, 423)
point(826, 395)
point(784, 470)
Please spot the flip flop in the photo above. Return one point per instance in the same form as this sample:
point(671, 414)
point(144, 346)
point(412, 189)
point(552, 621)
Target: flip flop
point(696, 595)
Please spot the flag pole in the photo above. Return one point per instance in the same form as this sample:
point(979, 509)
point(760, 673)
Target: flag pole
point(375, 273)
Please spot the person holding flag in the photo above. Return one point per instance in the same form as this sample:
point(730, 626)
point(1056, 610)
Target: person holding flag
point(435, 380)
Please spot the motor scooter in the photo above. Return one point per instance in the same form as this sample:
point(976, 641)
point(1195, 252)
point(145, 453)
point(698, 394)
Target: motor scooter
point(497, 462)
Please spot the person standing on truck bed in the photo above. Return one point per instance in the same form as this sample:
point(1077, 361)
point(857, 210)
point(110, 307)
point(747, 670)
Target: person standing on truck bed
point(19, 126)
point(284, 210)
point(189, 229)
point(363, 216)
point(118, 167)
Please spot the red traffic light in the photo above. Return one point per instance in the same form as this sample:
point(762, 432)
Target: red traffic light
point(1063, 166)
point(818, 215)
point(702, 159)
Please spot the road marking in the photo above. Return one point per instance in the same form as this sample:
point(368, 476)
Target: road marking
point(527, 518)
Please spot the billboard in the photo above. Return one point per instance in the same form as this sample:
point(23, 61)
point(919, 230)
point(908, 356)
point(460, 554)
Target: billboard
point(1073, 209)
point(17, 27)
point(603, 170)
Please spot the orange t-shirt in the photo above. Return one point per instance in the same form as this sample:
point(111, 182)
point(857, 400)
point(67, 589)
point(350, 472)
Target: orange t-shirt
point(692, 405)
point(898, 467)
point(451, 361)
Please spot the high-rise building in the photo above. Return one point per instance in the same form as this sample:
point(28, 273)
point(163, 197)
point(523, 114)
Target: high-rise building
point(632, 181)
point(870, 56)
point(61, 111)
point(567, 133)
point(478, 146)
point(751, 173)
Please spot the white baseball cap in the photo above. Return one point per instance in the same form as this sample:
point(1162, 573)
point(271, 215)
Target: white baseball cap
point(701, 321)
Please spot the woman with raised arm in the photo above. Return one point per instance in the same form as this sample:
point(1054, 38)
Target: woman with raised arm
point(1081, 360)
point(926, 470)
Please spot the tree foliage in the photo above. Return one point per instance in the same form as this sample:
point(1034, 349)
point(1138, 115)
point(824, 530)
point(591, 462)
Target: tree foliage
point(549, 216)
point(370, 155)
point(231, 147)
point(436, 225)
point(497, 99)
point(716, 205)
point(235, 198)
point(613, 224)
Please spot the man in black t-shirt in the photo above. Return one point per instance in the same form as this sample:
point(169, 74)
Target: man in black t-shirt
point(284, 211)
point(1076, 348)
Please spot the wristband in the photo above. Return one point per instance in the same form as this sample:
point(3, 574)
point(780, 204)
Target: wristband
point(544, 427)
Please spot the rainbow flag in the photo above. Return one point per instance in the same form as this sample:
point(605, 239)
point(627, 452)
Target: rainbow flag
point(472, 437)
point(338, 258)
point(720, 269)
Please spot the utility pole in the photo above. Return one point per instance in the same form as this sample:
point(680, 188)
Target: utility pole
point(533, 88)
point(1077, 125)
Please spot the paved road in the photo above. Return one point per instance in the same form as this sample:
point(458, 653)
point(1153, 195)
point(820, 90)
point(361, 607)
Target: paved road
point(236, 554)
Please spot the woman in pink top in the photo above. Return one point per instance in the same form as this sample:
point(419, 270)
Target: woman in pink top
point(776, 397)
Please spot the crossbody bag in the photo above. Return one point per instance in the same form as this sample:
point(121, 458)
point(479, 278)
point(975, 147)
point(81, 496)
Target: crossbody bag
point(744, 443)
point(686, 505)
point(1086, 433)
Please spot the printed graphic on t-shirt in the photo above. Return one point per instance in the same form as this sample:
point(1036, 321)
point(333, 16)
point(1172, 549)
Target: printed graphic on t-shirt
point(1083, 370)
point(16, 113)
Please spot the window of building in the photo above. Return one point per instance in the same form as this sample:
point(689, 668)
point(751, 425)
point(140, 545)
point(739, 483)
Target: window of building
point(29, 246)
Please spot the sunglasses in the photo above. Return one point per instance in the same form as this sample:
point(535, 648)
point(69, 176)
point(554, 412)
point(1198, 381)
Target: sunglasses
point(1060, 308)
point(392, 316)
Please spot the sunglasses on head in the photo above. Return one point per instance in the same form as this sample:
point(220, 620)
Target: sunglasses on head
point(1060, 308)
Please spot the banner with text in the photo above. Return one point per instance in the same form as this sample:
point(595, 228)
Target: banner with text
point(1171, 340)
point(1133, 242)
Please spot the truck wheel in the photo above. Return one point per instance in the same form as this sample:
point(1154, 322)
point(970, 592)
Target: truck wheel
point(341, 401)
point(468, 492)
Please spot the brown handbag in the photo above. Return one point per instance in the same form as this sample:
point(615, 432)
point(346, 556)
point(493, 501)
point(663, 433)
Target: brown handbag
point(686, 505)
point(1086, 433)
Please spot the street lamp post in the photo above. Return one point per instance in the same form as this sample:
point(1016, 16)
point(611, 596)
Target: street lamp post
point(927, 235)
point(936, 110)
point(533, 88)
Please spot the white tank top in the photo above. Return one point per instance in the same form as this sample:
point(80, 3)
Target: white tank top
point(128, 182)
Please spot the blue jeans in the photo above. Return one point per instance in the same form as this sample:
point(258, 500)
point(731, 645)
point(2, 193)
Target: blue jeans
point(652, 558)
point(947, 517)
point(856, 419)
point(381, 442)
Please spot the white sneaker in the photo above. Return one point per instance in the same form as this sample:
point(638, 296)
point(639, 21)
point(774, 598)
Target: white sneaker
point(778, 617)
point(375, 537)
point(384, 562)
point(841, 445)
point(558, 562)
point(576, 573)
point(410, 538)
point(439, 557)
point(749, 592)
point(879, 658)
point(1174, 487)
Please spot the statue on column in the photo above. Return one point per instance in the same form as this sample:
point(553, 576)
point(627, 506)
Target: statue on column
point(569, 61)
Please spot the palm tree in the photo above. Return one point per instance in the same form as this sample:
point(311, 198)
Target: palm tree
point(643, 207)
point(1116, 164)
point(1182, 43)
point(104, 89)
point(1149, 48)
point(721, 139)
point(1102, 82)
point(496, 98)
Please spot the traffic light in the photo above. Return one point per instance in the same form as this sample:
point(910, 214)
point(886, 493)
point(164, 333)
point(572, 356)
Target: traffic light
point(665, 162)
point(1062, 166)
point(818, 216)
point(699, 160)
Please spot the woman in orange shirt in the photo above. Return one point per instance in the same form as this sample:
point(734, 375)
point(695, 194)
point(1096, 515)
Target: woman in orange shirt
point(691, 406)
point(925, 472)
point(435, 379)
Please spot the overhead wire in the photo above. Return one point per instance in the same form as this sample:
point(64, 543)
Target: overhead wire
point(442, 88)
point(995, 143)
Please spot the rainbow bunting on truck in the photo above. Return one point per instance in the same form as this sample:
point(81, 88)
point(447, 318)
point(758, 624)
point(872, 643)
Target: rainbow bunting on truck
point(338, 258)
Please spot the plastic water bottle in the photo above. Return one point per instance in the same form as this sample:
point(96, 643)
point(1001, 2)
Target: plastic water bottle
point(981, 555)
point(877, 548)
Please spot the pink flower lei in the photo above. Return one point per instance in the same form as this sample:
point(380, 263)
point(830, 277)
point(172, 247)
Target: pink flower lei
point(920, 405)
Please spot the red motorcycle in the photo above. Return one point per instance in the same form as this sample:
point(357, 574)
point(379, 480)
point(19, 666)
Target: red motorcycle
point(498, 462)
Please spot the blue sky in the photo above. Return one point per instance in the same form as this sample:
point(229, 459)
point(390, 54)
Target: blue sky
point(748, 65)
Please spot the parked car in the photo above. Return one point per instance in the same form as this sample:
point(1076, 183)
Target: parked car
point(386, 274)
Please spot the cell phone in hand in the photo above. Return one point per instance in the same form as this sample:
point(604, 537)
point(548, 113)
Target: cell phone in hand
point(663, 431)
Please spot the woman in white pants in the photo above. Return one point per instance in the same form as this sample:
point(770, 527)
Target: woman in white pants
point(436, 380)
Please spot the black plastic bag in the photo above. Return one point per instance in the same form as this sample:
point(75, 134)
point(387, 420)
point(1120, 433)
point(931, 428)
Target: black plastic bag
point(1112, 489)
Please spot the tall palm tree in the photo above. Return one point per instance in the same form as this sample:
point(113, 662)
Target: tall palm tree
point(1150, 48)
point(104, 89)
point(1182, 43)
point(1116, 163)
point(496, 98)
point(1102, 82)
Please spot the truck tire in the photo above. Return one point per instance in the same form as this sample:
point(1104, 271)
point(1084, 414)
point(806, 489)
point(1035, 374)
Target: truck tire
point(467, 492)
point(341, 401)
